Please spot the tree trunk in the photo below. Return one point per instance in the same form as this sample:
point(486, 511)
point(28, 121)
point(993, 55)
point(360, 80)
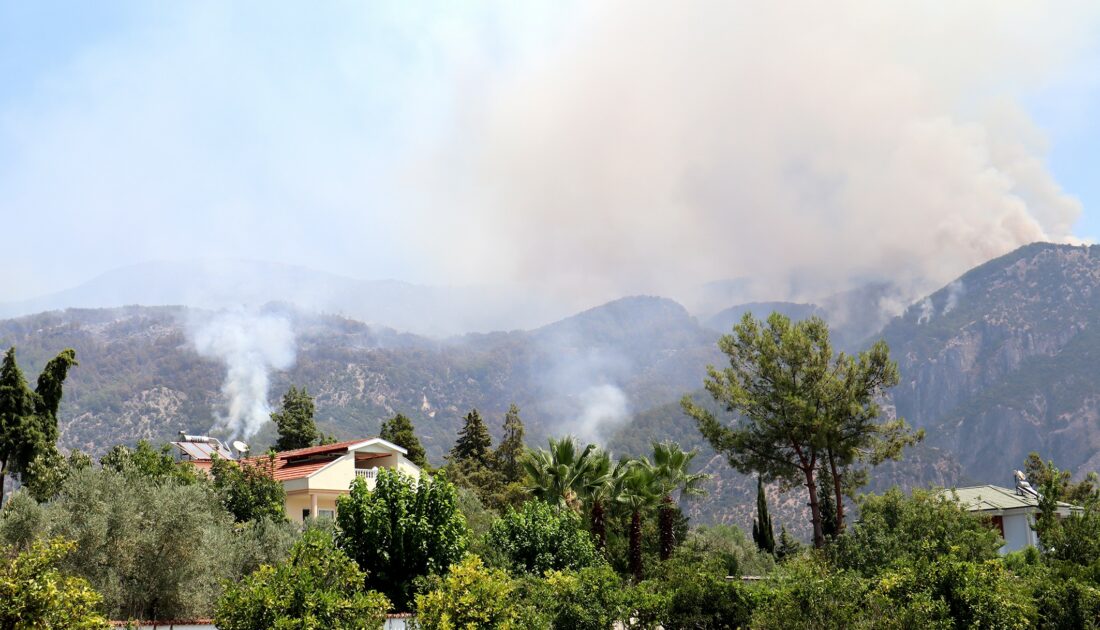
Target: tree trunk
point(3, 480)
point(636, 545)
point(667, 522)
point(599, 525)
point(815, 509)
point(839, 494)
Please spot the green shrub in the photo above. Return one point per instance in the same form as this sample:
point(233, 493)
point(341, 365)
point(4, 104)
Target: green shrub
point(593, 598)
point(1067, 603)
point(949, 592)
point(805, 592)
point(893, 527)
point(540, 538)
point(318, 587)
point(698, 594)
point(34, 594)
point(474, 597)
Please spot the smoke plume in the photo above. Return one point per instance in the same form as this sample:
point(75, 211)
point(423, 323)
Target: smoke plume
point(809, 146)
point(250, 345)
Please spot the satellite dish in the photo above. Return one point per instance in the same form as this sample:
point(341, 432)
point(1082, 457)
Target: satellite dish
point(240, 446)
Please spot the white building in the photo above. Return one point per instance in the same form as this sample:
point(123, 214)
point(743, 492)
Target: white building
point(314, 477)
point(1012, 511)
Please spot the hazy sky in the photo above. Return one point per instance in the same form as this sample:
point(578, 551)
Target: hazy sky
point(600, 148)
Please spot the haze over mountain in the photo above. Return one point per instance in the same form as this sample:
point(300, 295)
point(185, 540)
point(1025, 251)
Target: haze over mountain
point(232, 283)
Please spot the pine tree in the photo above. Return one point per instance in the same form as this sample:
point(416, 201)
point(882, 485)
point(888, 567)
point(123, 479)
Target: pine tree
point(511, 448)
point(762, 533)
point(400, 431)
point(295, 422)
point(788, 545)
point(830, 526)
point(474, 442)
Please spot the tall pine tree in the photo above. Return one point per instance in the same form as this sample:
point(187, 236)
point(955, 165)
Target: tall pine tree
point(474, 442)
point(400, 431)
point(295, 422)
point(511, 448)
point(762, 533)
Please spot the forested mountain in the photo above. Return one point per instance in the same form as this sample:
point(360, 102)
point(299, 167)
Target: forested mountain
point(999, 363)
point(141, 377)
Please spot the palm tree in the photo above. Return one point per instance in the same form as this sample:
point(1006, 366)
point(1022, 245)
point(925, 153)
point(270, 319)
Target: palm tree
point(638, 491)
point(557, 475)
point(670, 470)
point(601, 484)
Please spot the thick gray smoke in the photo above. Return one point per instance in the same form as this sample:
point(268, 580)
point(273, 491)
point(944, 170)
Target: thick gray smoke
point(250, 345)
point(808, 146)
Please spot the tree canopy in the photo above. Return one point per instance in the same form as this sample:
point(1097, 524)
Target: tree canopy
point(509, 453)
point(400, 431)
point(800, 407)
point(401, 530)
point(474, 442)
point(294, 421)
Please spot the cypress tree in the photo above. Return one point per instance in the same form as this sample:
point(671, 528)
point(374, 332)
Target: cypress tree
point(399, 430)
point(473, 441)
point(28, 419)
point(762, 533)
point(511, 447)
point(295, 422)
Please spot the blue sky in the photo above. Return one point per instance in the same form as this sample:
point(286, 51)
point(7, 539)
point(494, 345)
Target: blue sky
point(595, 150)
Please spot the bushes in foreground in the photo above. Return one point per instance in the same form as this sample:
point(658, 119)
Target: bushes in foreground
point(317, 587)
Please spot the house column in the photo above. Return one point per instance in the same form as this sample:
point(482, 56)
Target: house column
point(313, 505)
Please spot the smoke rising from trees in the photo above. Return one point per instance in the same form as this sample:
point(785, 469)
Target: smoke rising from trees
point(250, 345)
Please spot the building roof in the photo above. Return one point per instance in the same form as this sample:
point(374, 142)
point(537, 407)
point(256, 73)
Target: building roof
point(995, 498)
point(201, 451)
point(303, 462)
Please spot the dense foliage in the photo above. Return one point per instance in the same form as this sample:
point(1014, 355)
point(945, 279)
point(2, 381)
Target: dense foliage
point(318, 587)
point(540, 538)
point(248, 490)
point(399, 430)
point(400, 531)
point(34, 593)
point(294, 421)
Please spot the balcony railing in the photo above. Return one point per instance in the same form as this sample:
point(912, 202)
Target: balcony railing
point(367, 473)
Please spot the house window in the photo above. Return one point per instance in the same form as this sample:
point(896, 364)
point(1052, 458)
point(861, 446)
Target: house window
point(305, 514)
point(999, 523)
point(329, 514)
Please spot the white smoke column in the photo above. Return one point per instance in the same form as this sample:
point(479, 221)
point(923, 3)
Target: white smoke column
point(926, 310)
point(955, 290)
point(604, 407)
point(250, 345)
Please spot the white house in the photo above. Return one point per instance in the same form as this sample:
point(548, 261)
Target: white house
point(1011, 511)
point(314, 477)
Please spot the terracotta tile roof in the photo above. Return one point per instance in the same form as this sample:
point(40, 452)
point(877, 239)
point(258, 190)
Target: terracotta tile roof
point(286, 468)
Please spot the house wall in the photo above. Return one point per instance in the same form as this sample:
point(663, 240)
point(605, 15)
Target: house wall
point(1018, 533)
point(335, 480)
point(337, 476)
point(295, 503)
